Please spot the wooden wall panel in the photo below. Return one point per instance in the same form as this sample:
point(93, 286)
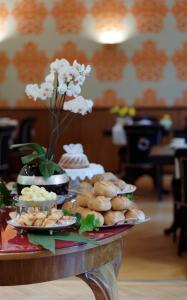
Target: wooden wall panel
point(88, 130)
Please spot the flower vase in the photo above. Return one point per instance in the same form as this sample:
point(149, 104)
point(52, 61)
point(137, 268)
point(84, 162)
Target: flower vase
point(30, 175)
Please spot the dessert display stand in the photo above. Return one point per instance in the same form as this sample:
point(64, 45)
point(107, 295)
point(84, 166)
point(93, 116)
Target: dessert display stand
point(76, 175)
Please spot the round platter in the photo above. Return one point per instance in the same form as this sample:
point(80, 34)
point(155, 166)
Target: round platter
point(128, 190)
point(46, 203)
point(128, 222)
point(57, 227)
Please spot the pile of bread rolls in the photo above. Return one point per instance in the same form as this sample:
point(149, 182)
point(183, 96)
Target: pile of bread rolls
point(101, 196)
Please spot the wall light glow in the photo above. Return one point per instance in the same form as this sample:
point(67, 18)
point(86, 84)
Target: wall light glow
point(7, 30)
point(111, 36)
point(109, 33)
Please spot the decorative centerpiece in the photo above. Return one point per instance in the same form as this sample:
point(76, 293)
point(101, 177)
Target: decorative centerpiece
point(124, 114)
point(124, 117)
point(64, 80)
point(166, 122)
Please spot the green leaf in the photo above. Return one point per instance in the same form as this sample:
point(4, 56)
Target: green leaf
point(89, 223)
point(5, 196)
point(46, 241)
point(33, 146)
point(75, 237)
point(46, 168)
point(28, 158)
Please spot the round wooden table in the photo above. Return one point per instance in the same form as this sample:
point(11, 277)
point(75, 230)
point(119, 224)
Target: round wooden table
point(25, 263)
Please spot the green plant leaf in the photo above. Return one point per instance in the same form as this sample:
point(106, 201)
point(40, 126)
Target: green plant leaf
point(75, 237)
point(46, 168)
point(28, 158)
point(33, 146)
point(5, 196)
point(89, 223)
point(46, 241)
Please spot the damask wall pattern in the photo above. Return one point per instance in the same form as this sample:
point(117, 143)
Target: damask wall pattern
point(148, 67)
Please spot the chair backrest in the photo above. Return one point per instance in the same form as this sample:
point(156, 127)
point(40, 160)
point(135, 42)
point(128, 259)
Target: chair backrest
point(180, 134)
point(154, 120)
point(183, 173)
point(140, 139)
point(179, 154)
point(5, 141)
point(26, 130)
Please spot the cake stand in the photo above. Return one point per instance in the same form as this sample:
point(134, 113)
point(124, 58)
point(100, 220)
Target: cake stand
point(80, 174)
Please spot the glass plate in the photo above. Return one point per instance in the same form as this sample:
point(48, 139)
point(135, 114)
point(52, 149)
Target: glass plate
point(128, 190)
point(66, 223)
point(128, 222)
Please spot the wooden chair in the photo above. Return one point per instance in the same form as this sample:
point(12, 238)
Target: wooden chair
point(26, 130)
point(5, 141)
point(182, 245)
point(177, 193)
point(140, 140)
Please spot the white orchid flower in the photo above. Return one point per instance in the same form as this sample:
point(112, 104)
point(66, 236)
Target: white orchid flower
point(79, 105)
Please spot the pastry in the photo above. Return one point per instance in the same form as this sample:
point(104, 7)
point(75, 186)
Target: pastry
point(135, 214)
point(84, 186)
point(97, 178)
point(122, 203)
point(97, 216)
point(74, 158)
point(120, 184)
point(99, 203)
point(113, 217)
point(105, 188)
point(109, 176)
point(105, 176)
point(82, 199)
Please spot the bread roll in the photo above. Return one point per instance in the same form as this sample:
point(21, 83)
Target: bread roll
point(68, 205)
point(122, 203)
point(105, 188)
point(97, 178)
point(97, 216)
point(109, 176)
point(84, 186)
point(120, 184)
point(82, 199)
point(113, 217)
point(99, 203)
point(135, 214)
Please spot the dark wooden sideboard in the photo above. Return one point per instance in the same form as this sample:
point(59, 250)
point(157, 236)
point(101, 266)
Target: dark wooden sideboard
point(88, 130)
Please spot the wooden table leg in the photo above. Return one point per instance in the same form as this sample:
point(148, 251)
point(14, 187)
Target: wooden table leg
point(103, 281)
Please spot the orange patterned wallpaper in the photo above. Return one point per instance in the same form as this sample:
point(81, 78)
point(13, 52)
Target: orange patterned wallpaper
point(3, 15)
point(29, 15)
point(30, 63)
point(150, 15)
point(179, 11)
point(108, 13)
point(150, 99)
point(69, 15)
point(149, 62)
point(70, 51)
point(181, 101)
point(149, 68)
point(4, 61)
point(109, 62)
point(179, 60)
point(109, 98)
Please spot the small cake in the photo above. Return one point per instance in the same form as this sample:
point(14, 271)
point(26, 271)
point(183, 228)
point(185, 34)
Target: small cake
point(74, 158)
